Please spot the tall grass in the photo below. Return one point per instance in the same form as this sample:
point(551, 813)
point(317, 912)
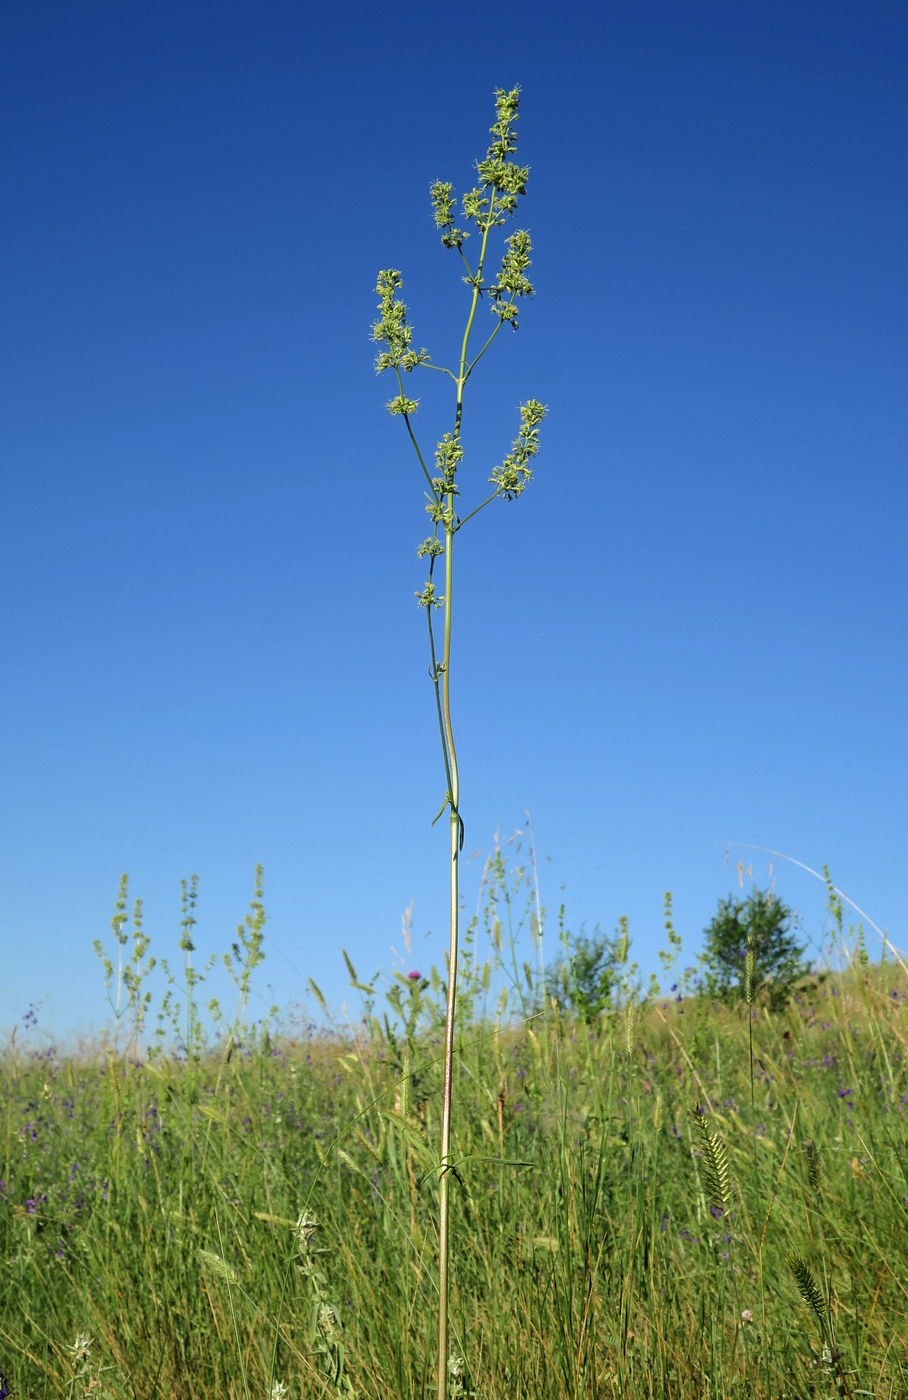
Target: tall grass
point(261, 1219)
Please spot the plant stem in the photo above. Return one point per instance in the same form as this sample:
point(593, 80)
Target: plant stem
point(456, 842)
point(445, 1179)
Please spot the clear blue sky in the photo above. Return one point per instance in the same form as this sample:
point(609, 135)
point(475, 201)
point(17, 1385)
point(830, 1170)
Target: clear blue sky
point(691, 630)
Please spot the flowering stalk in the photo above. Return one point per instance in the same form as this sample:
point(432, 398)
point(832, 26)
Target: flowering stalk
point(493, 200)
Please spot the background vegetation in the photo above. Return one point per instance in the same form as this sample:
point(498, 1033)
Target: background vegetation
point(253, 1215)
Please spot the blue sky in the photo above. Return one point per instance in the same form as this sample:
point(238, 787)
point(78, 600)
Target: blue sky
point(691, 629)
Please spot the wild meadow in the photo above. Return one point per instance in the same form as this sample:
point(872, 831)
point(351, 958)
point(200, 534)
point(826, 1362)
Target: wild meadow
point(521, 1175)
point(658, 1193)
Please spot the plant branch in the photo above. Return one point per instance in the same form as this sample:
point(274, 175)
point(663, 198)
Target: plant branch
point(487, 502)
point(426, 472)
point(488, 342)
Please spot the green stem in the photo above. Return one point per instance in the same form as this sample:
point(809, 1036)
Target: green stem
point(488, 342)
point(456, 828)
point(406, 418)
point(487, 502)
point(437, 687)
point(447, 1098)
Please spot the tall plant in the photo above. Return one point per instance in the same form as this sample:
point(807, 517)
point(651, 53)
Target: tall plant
point(488, 206)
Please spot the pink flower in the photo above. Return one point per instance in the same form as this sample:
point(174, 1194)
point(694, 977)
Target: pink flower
point(747, 1315)
point(413, 976)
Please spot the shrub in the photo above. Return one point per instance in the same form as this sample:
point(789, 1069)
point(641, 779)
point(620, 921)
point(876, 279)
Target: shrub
point(764, 922)
point(585, 981)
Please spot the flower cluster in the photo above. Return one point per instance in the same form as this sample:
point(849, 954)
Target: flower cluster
point(391, 329)
point(504, 176)
point(429, 597)
point(326, 1328)
point(448, 456)
point(512, 280)
point(501, 180)
point(442, 196)
point(514, 474)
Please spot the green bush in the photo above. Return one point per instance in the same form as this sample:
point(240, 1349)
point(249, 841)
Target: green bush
point(582, 984)
point(765, 923)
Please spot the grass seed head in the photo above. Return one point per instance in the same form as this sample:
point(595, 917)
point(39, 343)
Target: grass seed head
point(217, 1266)
point(631, 1012)
point(750, 973)
point(808, 1287)
point(813, 1167)
point(713, 1163)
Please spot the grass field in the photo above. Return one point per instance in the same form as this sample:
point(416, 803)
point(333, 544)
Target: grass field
point(263, 1222)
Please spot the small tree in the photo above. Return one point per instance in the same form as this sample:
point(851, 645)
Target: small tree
point(764, 923)
point(584, 980)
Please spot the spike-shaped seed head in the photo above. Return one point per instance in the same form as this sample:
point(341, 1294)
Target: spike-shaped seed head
point(808, 1287)
point(217, 1266)
point(631, 1012)
point(814, 1171)
point(714, 1163)
point(750, 972)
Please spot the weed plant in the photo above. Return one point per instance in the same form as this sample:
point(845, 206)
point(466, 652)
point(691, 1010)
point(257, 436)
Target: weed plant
point(642, 1216)
point(494, 199)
